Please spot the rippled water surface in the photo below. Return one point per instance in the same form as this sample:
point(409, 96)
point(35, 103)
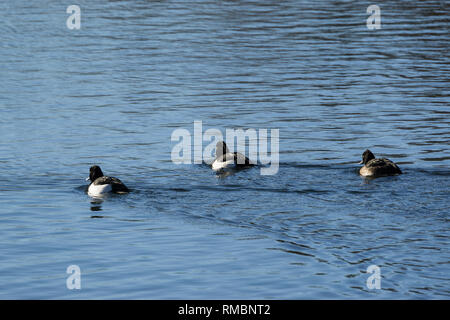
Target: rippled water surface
point(113, 92)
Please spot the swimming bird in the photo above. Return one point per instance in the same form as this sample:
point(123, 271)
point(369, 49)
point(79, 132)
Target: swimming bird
point(226, 159)
point(101, 184)
point(377, 167)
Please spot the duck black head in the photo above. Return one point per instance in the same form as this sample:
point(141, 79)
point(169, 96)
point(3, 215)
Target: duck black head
point(367, 156)
point(221, 149)
point(94, 173)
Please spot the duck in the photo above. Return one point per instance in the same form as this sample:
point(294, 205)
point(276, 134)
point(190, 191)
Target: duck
point(226, 159)
point(377, 167)
point(101, 184)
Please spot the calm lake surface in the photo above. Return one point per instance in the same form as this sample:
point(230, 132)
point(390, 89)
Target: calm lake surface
point(113, 92)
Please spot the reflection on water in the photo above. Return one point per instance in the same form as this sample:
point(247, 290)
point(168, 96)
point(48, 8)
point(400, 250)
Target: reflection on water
point(112, 93)
point(96, 204)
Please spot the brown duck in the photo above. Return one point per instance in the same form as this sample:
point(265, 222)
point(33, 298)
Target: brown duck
point(377, 167)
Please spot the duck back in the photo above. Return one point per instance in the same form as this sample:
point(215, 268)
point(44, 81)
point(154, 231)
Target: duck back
point(380, 167)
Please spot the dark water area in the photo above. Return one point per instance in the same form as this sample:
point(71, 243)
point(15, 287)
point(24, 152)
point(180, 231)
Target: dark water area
point(112, 94)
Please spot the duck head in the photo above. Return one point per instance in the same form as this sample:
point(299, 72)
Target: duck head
point(94, 173)
point(221, 149)
point(367, 156)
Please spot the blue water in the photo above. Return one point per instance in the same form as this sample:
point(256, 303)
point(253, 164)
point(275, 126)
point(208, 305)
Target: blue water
point(113, 92)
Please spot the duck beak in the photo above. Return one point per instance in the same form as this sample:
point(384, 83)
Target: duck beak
point(361, 162)
point(87, 179)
